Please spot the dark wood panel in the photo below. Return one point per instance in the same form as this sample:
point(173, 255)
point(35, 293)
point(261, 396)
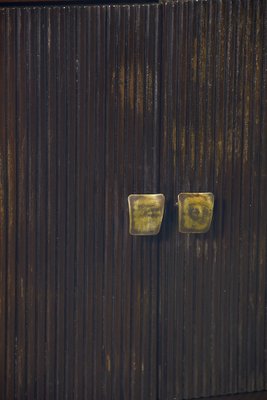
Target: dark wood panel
point(213, 138)
point(79, 132)
point(28, 3)
point(248, 396)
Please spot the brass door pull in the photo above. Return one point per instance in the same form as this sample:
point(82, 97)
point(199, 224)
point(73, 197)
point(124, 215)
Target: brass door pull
point(146, 213)
point(195, 212)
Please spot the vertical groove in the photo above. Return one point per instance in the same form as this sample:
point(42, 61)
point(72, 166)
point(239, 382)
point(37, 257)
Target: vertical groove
point(263, 229)
point(3, 210)
point(11, 204)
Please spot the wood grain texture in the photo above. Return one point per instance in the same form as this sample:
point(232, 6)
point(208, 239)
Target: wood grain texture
point(73, 2)
point(98, 102)
point(248, 396)
point(213, 138)
point(79, 95)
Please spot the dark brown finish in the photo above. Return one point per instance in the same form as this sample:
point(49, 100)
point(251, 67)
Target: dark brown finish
point(74, 2)
point(250, 396)
point(80, 91)
point(214, 133)
point(98, 103)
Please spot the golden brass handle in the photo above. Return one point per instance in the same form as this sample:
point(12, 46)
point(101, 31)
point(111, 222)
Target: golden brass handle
point(145, 213)
point(195, 212)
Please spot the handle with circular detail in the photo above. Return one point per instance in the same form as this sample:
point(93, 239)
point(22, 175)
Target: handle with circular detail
point(195, 212)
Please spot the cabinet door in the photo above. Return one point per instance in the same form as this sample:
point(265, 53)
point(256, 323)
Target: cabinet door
point(80, 125)
point(212, 287)
point(99, 102)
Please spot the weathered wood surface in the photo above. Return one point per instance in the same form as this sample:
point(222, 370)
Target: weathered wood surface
point(98, 103)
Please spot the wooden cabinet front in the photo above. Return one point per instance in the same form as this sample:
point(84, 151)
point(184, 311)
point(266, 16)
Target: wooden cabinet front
point(99, 102)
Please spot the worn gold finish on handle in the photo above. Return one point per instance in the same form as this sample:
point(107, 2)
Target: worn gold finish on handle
point(195, 212)
point(146, 213)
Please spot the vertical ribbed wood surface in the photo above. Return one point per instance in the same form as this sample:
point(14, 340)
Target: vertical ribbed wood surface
point(79, 132)
point(98, 102)
point(214, 139)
